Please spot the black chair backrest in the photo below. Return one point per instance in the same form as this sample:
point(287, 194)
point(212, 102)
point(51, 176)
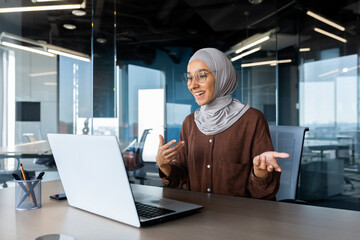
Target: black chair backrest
point(289, 139)
point(140, 147)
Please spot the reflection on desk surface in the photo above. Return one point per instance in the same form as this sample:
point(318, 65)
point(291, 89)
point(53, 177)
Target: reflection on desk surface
point(37, 147)
point(316, 142)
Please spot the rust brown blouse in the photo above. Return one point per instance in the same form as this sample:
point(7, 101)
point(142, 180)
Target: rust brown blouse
point(222, 163)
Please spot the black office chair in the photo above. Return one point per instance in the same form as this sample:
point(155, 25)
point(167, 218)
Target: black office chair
point(289, 139)
point(134, 160)
point(6, 172)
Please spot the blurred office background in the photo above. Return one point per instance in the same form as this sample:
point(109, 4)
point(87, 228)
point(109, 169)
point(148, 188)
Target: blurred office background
point(116, 68)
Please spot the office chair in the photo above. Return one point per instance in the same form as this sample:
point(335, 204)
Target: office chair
point(289, 139)
point(48, 162)
point(30, 136)
point(6, 172)
point(134, 160)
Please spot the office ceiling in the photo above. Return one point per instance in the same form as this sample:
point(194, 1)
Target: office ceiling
point(145, 26)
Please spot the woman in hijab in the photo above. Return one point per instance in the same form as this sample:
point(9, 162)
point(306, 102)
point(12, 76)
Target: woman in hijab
point(225, 146)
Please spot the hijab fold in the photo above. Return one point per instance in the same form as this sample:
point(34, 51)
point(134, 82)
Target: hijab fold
point(223, 110)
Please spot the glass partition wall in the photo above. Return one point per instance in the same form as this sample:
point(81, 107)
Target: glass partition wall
point(329, 106)
point(45, 79)
point(297, 62)
point(288, 68)
point(46, 70)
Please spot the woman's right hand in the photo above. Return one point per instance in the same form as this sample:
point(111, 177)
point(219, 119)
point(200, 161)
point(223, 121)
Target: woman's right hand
point(166, 154)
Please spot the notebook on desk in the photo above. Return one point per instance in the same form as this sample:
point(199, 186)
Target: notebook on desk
point(94, 178)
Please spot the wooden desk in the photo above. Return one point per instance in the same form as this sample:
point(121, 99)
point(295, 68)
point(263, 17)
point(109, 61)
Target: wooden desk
point(223, 217)
point(330, 147)
point(41, 146)
point(38, 149)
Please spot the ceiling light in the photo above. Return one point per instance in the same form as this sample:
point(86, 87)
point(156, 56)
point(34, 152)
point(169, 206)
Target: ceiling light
point(253, 44)
point(324, 20)
point(271, 63)
point(43, 8)
point(280, 61)
point(330, 35)
point(78, 13)
point(245, 54)
point(350, 69)
point(48, 49)
point(50, 83)
point(70, 55)
point(255, 2)
point(69, 26)
point(101, 40)
point(250, 42)
point(328, 73)
point(28, 49)
point(304, 50)
point(37, 1)
point(42, 74)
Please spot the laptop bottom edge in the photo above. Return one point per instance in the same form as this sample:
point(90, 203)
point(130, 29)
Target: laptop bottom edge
point(146, 223)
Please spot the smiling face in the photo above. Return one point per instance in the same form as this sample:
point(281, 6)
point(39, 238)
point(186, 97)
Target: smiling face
point(202, 91)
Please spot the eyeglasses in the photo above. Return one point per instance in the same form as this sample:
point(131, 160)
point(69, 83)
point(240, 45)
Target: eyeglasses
point(200, 76)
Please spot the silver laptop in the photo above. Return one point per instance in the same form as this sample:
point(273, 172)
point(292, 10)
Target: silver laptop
point(94, 179)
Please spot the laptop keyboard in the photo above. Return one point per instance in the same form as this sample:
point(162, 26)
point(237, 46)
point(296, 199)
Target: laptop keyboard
point(148, 211)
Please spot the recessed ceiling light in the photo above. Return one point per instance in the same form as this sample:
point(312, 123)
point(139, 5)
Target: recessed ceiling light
point(101, 40)
point(324, 20)
point(304, 50)
point(37, 1)
point(78, 13)
point(69, 26)
point(330, 35)
point(255, 2)
point(40, 8)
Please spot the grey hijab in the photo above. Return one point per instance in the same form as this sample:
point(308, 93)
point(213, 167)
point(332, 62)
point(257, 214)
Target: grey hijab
point(223, 110)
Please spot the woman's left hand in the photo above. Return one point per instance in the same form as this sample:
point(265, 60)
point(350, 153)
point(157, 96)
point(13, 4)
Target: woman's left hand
point(266, 162)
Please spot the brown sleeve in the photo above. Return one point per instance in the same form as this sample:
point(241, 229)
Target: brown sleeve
point(178, 177)
point(257, 187)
